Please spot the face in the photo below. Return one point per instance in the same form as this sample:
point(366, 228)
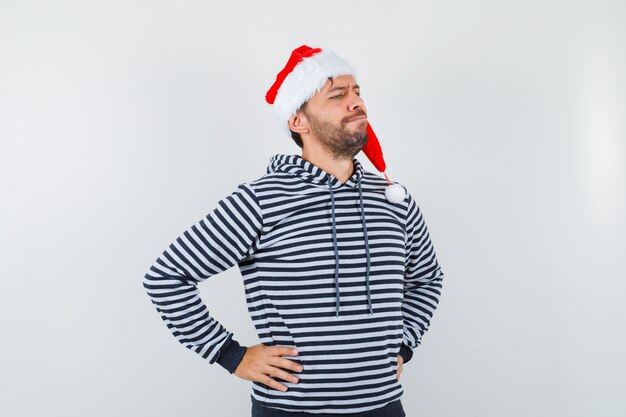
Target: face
point(337, 117)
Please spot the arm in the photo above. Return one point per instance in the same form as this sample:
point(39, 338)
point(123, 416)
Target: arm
point(210, 246)
point(422, 281)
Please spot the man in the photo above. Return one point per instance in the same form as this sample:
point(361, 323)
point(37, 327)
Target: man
point(340, 275)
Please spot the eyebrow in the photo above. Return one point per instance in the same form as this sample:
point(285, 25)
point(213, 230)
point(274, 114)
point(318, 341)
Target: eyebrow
point(342, 88)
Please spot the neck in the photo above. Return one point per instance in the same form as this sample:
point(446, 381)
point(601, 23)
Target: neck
point(342, 169)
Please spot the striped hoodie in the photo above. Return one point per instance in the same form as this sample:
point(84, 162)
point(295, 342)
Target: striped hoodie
point(333, 269)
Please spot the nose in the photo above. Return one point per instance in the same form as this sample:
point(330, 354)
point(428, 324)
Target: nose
point(356, 102)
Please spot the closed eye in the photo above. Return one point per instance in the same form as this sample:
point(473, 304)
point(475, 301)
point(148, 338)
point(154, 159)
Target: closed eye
point(358, 93)
point(341, 95)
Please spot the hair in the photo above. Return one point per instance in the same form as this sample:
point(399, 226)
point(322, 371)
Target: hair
point(297, 138)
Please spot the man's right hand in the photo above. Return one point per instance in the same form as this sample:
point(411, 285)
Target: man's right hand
point(262, 361)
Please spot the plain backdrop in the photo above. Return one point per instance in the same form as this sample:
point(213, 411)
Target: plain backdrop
point(124, 122)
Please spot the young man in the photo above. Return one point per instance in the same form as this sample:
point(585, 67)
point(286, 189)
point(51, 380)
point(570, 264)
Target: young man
point(340, 274)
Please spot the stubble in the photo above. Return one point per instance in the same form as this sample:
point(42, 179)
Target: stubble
point(342, 143)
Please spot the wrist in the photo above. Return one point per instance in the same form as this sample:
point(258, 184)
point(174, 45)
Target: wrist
point(231, 354)
point(406, 353)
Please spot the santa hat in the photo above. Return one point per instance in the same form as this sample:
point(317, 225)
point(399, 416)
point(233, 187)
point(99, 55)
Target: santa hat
point(305, 73)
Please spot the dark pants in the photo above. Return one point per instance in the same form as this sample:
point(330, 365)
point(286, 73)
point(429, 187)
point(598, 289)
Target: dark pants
point(392, 409)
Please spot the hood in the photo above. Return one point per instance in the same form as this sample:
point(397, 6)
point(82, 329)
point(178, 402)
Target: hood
point(297, 166)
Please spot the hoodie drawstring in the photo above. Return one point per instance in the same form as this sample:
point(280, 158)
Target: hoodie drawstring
point(367, 249)
point(332, 197)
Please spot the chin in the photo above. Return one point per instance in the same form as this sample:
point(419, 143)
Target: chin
point(360, 128)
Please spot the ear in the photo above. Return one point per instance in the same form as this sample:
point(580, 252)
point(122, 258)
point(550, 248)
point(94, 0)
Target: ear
point(298, 123)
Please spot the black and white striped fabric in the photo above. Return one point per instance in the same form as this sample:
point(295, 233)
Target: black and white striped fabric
point(305, 286)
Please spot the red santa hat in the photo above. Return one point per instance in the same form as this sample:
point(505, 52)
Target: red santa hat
point(305, 73)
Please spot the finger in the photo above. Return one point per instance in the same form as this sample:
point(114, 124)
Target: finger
point(285, 364)
point(283, 351)
point(284, 375)
point(272, 383)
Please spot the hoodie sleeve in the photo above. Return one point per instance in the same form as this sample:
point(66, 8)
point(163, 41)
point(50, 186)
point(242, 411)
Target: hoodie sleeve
point(212, 245)
point(422, 281)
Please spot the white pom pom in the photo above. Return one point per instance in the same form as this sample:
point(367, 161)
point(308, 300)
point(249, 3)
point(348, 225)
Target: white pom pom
point(395, 193)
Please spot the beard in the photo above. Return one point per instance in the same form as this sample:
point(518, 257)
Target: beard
point(342, 143)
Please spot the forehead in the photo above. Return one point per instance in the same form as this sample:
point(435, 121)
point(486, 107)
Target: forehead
point(339, 81)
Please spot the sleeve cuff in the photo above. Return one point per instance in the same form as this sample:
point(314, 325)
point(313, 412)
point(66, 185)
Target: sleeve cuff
point(231, 354)
point(406, 353)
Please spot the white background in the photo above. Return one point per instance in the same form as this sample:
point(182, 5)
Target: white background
point(124, 122)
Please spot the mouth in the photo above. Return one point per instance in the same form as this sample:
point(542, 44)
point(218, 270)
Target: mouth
point(355, 119)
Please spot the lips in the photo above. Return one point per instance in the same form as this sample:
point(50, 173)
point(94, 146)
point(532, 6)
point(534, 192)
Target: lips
point(354, 119)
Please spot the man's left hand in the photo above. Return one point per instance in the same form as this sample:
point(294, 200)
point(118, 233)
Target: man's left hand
point(399, 371)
